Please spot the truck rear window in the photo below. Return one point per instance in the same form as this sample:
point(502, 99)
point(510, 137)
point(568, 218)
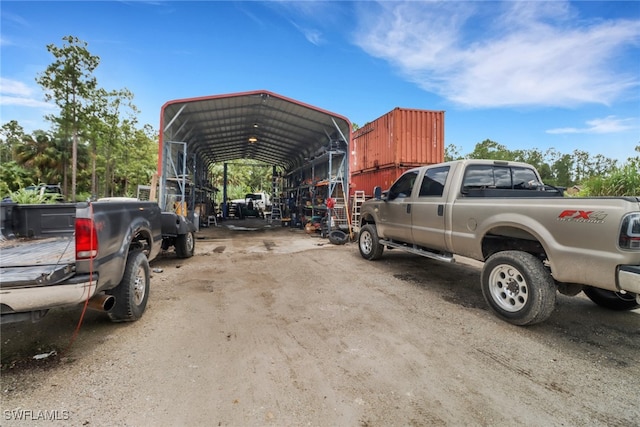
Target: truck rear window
point(479, 177)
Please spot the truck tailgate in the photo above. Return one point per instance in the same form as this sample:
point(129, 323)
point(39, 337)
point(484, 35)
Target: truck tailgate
point(36, 262)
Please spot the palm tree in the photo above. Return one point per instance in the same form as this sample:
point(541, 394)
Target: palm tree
point(33, 153)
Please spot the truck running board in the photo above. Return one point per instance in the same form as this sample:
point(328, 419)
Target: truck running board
point(418, 251)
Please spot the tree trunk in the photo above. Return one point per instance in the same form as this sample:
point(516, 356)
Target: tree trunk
point(74, 164)
point(93, 173)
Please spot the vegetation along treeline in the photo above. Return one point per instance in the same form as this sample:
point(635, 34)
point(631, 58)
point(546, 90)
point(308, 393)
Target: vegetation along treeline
point(96, 147)
point(588, 175)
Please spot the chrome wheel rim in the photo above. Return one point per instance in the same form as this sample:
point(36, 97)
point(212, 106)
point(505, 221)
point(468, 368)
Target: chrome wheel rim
point(508, 288)
point(189, 242)
point(139, 287)
point(366, 242)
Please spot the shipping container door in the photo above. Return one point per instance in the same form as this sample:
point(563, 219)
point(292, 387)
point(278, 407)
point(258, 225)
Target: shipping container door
point(428, 210)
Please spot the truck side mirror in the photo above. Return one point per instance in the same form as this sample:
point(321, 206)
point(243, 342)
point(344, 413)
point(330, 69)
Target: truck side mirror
point(377, 193)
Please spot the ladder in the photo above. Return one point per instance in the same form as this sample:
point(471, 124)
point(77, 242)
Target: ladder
point(358, 199)
point(276, 202)
point(276, 212)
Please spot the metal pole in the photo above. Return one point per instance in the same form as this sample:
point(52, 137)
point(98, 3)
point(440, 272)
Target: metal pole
point(225, 205)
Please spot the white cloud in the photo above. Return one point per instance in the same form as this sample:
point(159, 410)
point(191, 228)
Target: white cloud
point(310, 17)
point(24, 102)
point(17, 93)
point(610, 124)
point(488, 54)
point(312, 35)
point(14, 87)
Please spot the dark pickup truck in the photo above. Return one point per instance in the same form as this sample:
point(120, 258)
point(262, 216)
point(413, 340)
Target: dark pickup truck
point(64, 254)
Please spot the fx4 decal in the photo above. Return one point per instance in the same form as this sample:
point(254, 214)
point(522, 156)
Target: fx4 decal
point(592, 217)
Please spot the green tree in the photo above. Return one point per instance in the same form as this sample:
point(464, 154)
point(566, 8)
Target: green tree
point(34, 153)
point(618, 181)
point(13, 177)
point(601, 165)
point(582, 164)
point(489, 149)
point(242, 178)
point(143, 155)
point(452, 152)
point(70, 83)
point(561, 169)
point(12, 134)
point(118, 114)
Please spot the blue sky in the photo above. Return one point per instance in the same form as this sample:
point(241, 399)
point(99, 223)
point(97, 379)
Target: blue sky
point(527, 74)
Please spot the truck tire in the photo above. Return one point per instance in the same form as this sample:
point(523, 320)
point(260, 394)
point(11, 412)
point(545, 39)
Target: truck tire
point(185, 245)
point(518, 287)
point(611, 300)
point(338, 237)
point(369, 243)
point(132, 293)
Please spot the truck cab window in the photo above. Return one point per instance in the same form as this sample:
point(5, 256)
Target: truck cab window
point(502, 177)
point(523, 177)
point(403, 186)
point(433, 182)
point(479, 177)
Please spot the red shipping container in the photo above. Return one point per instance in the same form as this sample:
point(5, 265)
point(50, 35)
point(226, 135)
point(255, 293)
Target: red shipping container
point(400, 137)
point(383, 177)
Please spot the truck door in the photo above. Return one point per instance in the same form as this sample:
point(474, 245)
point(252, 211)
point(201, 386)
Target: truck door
point(395, 213)
point(428, 210)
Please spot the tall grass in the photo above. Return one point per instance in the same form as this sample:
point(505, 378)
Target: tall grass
point(624, 181)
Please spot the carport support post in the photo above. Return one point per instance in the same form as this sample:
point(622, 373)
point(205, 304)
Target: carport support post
point(274, 185)
point(225, 206)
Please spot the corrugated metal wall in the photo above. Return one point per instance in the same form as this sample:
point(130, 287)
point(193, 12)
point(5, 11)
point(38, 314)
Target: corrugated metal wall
point(365, 181)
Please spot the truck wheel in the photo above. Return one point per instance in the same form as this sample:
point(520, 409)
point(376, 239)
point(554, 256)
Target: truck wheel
point(338, 237)
point(133, 291)
point(185, 245)
point(369, 244)
point(518, 287)
point(611, 300)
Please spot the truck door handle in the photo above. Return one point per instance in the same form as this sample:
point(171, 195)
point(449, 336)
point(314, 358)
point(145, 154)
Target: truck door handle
point(408, 208)
point(440, 210)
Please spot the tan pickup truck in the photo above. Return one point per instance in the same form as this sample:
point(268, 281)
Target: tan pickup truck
point(532, 240)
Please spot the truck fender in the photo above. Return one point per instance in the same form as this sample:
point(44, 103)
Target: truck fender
point(518, 224)
point(174, 225)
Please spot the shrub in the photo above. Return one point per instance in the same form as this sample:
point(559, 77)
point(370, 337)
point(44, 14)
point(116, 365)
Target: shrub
point(624, 181)
point(31, 197)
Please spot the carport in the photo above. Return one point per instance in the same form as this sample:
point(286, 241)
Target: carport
point(306, 146)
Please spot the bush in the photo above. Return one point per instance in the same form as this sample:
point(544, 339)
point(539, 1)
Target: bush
point(31, 197)
point(624, 181)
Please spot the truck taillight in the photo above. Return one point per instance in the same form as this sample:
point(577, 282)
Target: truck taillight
point(86, 239)
point(630, 232)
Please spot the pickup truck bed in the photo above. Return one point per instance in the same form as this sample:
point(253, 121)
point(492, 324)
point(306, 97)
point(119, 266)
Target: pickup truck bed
point(37, 261)
point(54, 255)
point(66, 254)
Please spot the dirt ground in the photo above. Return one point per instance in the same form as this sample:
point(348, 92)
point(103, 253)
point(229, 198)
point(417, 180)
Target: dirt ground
point(274, 327)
